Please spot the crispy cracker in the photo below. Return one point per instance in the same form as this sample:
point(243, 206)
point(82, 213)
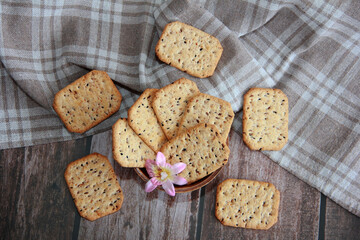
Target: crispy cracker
point(189, 49)
point(169, 104)
point(93, 186)
point(201, 148)
point(87, 101)
point(143, 121)
point(204, 108)
point(265, 119)
point(247, 204)
point(128, 149)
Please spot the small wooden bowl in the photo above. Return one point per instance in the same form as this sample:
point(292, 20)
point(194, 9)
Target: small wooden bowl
point(185, 188)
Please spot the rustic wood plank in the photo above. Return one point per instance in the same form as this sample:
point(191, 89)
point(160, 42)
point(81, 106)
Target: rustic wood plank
point(299, 205)
point(11, 203)
point(35, 202)
point(142, 216)
point(340, 223)
point(38, 203)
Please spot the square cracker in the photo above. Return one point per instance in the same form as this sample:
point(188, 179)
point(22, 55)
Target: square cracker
point(93, 186)
point(189, 49)
point(201, 148)
point(247, 204)
point(143, 121)
point(87, 101)
point(265, 119)
point(169, 104)
point(128, 149)
point(204, 108)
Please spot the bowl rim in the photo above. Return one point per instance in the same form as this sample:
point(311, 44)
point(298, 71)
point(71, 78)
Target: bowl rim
point(141, 172)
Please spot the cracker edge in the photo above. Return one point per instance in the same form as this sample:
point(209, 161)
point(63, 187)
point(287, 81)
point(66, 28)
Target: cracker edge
point(216, 99)
point(275, 207)
point(82, 78)
point(245, 118)
point(160, 93)
point(66, 173)
point(208, 73)
point(115, 155)
point(188, 131)
point(131, 109)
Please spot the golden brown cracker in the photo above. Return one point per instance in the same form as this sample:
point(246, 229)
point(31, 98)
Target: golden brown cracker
point(247, 204)
point(93, 186)
point(201, 148)
point(204, 108)
point(265, 119)
point(87, 101)
point(128, 149)
point(142, 119)
point(169, 104)
point(189, 49)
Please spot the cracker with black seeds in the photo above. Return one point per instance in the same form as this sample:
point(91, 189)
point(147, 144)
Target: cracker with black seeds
point(93, 186)
point(247, 204)
point(189, 49)
point(169, 104)
point(128, 149)
point(143, 121)
point(201, 148)
point(204, 108)
point(87, 101)
point(265, 119)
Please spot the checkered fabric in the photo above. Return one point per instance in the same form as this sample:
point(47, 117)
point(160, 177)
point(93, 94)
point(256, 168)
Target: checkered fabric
point(308, 49)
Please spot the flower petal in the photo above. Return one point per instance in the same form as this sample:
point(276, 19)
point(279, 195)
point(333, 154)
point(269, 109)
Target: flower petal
point(169, 188)
point(149, 164)
point(179, 180)
point(167, 165)
point(156, 181)
point(149, 186)
point(160, 159)
point(178, 167)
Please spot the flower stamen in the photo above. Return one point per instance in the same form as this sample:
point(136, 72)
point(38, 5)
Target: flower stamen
point(163, 176)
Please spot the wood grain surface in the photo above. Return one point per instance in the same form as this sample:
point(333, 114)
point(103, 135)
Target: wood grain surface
point(36, 204)
point(35, 201)
point(339, 223)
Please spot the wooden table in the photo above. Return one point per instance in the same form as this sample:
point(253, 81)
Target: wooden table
point(36, 204)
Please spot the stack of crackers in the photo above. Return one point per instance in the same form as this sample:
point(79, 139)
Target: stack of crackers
point(185, 125)
point(181, 122)
point(178, 120)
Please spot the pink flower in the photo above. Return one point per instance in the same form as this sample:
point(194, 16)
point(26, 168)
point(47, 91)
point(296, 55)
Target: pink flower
point(164, 174)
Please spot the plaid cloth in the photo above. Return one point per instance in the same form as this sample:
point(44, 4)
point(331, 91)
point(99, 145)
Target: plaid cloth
point(310, 50)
